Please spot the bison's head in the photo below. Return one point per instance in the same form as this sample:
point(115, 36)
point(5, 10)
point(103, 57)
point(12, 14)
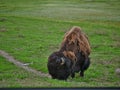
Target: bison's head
point(59, 66)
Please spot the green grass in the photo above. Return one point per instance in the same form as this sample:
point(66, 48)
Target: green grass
point(31, 30)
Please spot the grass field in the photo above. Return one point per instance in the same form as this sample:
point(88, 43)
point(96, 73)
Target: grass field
point(30, 30)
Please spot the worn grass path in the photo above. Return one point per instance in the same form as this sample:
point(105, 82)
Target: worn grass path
point(22, 65)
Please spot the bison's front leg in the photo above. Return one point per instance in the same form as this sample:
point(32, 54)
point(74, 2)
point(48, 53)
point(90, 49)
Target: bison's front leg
point(73, 75)
point(73, 71)
point(82, 73)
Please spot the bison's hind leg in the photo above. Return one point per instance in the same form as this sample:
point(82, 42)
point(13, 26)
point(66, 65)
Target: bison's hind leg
point(85, 66)
point(82, 73)
point(72, 73)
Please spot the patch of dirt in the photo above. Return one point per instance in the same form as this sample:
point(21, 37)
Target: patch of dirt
point(101, 33)
point(2, 19)
point(3, 29)
point(22, 65)
point(21, 36)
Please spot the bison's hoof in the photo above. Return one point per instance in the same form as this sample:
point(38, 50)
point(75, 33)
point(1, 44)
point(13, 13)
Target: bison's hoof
point(81, 74)
point(73, 75)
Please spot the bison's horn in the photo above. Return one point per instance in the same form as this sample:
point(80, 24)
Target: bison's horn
point(63, 61)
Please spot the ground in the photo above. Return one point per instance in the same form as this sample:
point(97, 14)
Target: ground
point(31, 30)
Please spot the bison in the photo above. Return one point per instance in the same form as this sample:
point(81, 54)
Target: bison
point(72, 57)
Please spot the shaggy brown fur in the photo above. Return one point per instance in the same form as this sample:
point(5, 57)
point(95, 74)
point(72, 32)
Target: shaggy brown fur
point(75, 41)
point(70, 54)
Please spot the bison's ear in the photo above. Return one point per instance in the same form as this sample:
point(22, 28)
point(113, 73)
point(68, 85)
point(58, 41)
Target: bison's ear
point(62, 61)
